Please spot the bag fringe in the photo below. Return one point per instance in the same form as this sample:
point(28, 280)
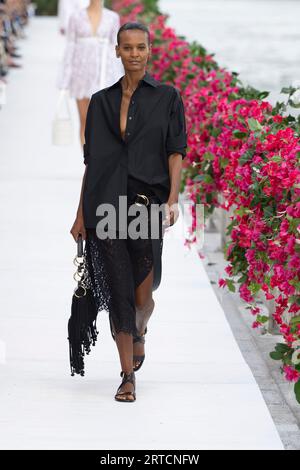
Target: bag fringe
point(82, 330)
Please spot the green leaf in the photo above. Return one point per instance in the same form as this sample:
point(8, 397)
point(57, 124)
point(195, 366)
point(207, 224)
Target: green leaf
point(287, 90)
point(294, 222)
point(246, 157)
point(215, 132)
point(276, 158)
point(209, 197)
point(242, 279)
point(233, 96)
point(239, 134)
point(230, 285)
point(286, 360)
point(241, 211)
point(254, 124)
point(267, 279)
point(268, 211)
point(254, 287)
point(262, 318)
point(263, 95)
point(208, 179)
point(293, 105)
point(297, 391)
point(281, 347)
point(295, 320)
point(278, 108)
point(223, 162)
point(208, 156)
point(290, 118)
point(276, 356)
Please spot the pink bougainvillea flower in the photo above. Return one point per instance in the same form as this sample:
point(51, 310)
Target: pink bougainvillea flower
point(291, 374)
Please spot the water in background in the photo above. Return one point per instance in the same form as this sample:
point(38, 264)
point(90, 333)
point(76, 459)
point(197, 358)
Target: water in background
point(259, 39)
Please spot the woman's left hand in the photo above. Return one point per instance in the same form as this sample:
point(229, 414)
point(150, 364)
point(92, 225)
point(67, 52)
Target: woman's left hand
point(172, 212)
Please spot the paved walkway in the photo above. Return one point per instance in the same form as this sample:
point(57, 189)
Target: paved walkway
point(195, 390)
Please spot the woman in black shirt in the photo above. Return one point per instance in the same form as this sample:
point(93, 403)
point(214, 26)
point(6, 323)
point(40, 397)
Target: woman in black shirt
point(135, 140)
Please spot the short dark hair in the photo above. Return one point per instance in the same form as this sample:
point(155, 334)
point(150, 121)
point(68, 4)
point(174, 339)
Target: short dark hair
point(131, 26)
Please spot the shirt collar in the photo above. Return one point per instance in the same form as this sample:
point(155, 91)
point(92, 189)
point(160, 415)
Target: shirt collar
point(147, 78)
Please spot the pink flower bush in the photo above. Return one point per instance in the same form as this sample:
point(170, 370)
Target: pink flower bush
point(242, 148)
point(291, 374)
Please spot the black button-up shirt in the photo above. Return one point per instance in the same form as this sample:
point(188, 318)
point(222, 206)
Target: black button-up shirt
point(155, 129)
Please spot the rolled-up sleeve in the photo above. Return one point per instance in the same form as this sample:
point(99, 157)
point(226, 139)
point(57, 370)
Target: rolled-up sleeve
point(88, 131)
point(177, 136)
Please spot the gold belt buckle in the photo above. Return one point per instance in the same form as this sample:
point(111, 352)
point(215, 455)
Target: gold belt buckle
point(145, 198)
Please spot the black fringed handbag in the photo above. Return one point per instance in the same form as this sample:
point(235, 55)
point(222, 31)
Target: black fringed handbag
point(82, 330)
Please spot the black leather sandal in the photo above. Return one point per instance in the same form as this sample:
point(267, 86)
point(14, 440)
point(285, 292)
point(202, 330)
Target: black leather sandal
point(127, 378)
point(141, 358)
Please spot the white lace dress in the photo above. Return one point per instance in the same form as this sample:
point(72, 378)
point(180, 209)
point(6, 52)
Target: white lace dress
point(90, 61)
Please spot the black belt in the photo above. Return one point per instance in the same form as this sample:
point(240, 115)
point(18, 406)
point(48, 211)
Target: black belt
point(142, 198)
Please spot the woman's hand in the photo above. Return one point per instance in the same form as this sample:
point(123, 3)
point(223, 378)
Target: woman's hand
point(78, 228)
point(172, 212)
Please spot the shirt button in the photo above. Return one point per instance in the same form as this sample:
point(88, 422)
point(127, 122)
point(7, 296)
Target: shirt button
point(128, 133)
point(130, 117)
point(132, 102)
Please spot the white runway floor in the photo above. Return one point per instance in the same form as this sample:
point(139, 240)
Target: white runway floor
point(195, 390)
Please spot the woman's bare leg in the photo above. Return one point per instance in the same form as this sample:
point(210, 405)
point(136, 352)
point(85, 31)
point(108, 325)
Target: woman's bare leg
point(144, 302)
point(82, 106)
point(144, 308)
point(125, 347)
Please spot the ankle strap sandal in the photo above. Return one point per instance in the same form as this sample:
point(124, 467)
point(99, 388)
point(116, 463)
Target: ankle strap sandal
point(139, 358)
point(126, 396)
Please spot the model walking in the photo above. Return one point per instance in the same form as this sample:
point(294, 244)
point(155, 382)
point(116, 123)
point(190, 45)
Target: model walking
point(135, 141)
point(90, 62)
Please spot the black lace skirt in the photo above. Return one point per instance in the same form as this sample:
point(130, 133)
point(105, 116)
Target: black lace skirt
point(117, 266)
